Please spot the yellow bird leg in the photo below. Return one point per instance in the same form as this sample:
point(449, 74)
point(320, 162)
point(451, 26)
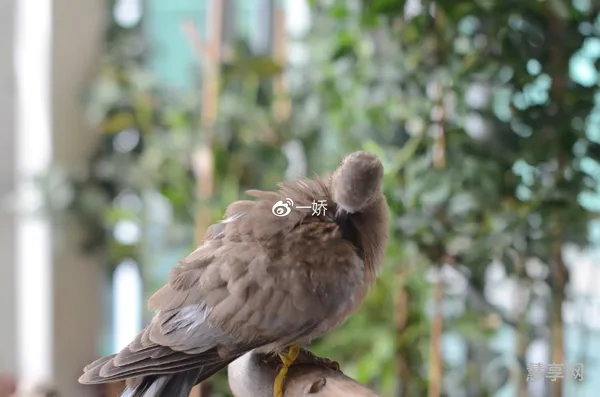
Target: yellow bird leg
point(287, 360)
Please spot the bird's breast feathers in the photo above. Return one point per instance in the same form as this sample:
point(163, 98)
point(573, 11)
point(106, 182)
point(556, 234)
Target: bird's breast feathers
point(260, 274)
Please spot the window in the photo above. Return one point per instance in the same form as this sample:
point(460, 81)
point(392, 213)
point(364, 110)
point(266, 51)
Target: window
point(172, 58)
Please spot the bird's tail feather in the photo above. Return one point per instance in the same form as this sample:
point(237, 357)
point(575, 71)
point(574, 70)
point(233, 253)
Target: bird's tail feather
point(171, 385)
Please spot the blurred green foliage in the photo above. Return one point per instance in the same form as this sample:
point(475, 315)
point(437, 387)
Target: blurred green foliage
point(488, 136)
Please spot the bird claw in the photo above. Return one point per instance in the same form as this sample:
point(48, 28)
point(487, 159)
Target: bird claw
point(287, 360)
point(291, 356)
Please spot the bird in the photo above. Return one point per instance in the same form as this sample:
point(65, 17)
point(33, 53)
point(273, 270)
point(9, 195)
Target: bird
point(271, 277)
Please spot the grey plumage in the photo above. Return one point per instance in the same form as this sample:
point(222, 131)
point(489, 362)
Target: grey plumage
point(259, 281)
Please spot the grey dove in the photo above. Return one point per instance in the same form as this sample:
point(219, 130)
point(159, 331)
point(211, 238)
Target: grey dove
point(265, 279)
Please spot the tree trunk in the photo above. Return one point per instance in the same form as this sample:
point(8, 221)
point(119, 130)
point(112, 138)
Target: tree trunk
point(558, 297)
point(281, 104)
point(520, 354)
point(559, 74)
point(435, 351)
point(401, 316)
point(520, 314)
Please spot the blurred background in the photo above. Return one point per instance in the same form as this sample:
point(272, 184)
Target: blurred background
point(129, 125)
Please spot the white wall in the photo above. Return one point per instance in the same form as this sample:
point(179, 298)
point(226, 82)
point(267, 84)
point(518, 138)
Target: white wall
point(77, 44)
point(68, 336)
point(7, 241)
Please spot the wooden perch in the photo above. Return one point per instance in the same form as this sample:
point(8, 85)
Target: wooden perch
point(252, 375)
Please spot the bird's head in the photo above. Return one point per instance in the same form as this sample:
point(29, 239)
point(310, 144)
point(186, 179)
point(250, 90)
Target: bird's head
point(357, 181)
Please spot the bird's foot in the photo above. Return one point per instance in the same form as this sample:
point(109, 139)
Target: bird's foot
point(287, 360)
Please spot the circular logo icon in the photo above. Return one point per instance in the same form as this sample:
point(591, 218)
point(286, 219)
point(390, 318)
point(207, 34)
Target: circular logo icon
point(282, 208)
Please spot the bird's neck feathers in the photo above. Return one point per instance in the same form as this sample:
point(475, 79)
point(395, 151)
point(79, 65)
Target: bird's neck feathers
point(367, 229)
point(371, 226)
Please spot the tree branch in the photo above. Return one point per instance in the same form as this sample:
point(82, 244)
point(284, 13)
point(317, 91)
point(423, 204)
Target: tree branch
point(252, 375)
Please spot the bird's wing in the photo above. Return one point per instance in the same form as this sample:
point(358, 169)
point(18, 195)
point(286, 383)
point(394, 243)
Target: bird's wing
point(257, 279)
